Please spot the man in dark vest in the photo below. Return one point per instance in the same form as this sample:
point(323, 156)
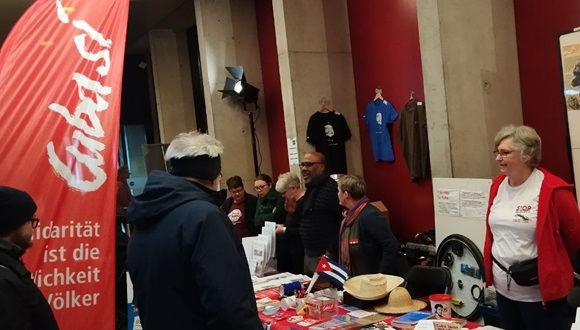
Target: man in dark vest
point(320, 212)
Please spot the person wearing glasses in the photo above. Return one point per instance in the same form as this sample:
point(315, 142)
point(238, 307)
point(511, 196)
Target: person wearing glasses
point(240, 207)
point(22, 304)
point(319, 211)
point(532, 217)
point(270, 202)
point(288, 185)
point(271, 208)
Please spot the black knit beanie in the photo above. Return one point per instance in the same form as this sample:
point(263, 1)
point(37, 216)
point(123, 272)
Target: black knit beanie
point(200, 167)
point(16, 207)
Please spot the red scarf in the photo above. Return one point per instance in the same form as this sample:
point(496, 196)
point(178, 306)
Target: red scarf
point(351, 215)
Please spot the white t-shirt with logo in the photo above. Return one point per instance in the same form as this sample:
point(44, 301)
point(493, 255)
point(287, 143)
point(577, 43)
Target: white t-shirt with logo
point(513, 220)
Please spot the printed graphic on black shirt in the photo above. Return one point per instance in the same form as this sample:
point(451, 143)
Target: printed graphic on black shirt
point(328, 132)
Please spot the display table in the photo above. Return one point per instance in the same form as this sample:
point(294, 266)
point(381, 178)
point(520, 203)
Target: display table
point(349, 317)
point(346, 319)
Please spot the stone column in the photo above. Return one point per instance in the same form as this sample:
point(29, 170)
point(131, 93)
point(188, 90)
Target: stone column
point(471, 80)
point(228, 37)
point(172, 79)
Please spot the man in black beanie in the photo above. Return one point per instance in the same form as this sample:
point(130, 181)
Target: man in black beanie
point(186, 261)
point(22, 305)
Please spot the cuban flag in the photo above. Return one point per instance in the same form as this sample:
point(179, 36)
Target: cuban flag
point(332, 272)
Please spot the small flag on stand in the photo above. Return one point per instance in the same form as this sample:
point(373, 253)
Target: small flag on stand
point(330, 271)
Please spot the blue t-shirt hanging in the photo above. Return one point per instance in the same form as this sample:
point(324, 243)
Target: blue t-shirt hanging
point(377, 115)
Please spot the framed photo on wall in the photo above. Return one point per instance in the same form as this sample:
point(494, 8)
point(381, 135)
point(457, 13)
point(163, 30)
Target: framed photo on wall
point(569, 44)
point(570, 59)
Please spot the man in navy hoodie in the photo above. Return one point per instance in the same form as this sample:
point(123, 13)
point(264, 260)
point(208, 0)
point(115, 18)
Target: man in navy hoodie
point(186, 261)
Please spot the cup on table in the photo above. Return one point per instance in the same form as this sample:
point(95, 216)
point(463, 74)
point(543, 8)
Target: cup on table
point(288, 302)
point(441, 304)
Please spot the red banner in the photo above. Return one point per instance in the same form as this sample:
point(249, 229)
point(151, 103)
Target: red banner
point(60, 92)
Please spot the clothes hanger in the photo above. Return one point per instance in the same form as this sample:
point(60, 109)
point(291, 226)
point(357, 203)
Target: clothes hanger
point(378, 94)
point(324, 105)
point(411, 97)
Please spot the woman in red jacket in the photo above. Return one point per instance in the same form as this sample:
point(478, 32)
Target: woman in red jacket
point(532, 217)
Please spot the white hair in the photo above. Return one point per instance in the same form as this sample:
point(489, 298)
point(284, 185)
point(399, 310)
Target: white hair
point(286, 181)
point(193, 144)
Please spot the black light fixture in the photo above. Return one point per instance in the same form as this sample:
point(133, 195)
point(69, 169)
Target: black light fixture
point(243, 93)
point(238, 88)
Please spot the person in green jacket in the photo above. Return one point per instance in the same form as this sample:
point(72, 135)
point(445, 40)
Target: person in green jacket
point(271, 208)
point(270, 202)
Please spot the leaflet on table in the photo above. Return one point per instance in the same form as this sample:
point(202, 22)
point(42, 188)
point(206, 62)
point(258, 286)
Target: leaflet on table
point(134, 322)
point(270, 229)
point(348, 321)
point(411, 318)
point(257, 261)
point(248, 243)
point(277, 280)
point(267, 240)
point(269, 278)
point(437, 325)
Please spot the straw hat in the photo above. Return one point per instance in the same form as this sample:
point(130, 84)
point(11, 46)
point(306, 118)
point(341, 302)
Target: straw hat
point(372, 286)
point(400, 302)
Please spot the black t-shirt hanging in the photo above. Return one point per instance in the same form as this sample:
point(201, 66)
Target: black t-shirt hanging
point(328, 132)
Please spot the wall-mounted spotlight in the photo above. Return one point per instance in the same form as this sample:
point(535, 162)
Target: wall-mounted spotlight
point(241, 92)
point(238, 88)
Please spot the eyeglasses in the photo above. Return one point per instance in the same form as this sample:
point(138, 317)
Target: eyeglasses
point(502, 153)
point(260, 187)
point(34, 221)
point(287, 190)
point(237, 191)
point(309, 164)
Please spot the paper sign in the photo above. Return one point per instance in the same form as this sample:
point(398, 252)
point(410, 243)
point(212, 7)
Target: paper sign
point(448, 202)
point(293, 156)
point(473, 204)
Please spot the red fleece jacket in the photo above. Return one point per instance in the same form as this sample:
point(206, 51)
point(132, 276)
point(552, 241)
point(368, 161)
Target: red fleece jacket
point(557, 234)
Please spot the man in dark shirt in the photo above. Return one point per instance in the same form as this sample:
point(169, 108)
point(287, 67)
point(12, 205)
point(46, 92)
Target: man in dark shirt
point(320, 212)
point(22, 305)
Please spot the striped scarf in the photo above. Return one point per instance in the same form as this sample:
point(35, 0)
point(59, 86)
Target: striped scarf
point(345, 228)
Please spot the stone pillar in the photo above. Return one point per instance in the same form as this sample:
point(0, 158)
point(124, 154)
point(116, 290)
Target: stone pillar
point(315, 61)
point(471, 80)
point(228, 37)
point(172, 79)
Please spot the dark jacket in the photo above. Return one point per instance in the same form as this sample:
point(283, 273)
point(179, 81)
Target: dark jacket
point(291, 238)
point(250, 202)
point(321, 217)
point(270, 208)
point(379, 249)
point(22, 305)
point(292, 224)
point(186, 261)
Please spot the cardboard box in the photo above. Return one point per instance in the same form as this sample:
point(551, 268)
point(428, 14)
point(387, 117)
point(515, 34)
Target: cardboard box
point(379, 205)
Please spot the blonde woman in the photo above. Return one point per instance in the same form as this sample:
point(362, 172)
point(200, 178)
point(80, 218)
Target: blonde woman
point(532, 217)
